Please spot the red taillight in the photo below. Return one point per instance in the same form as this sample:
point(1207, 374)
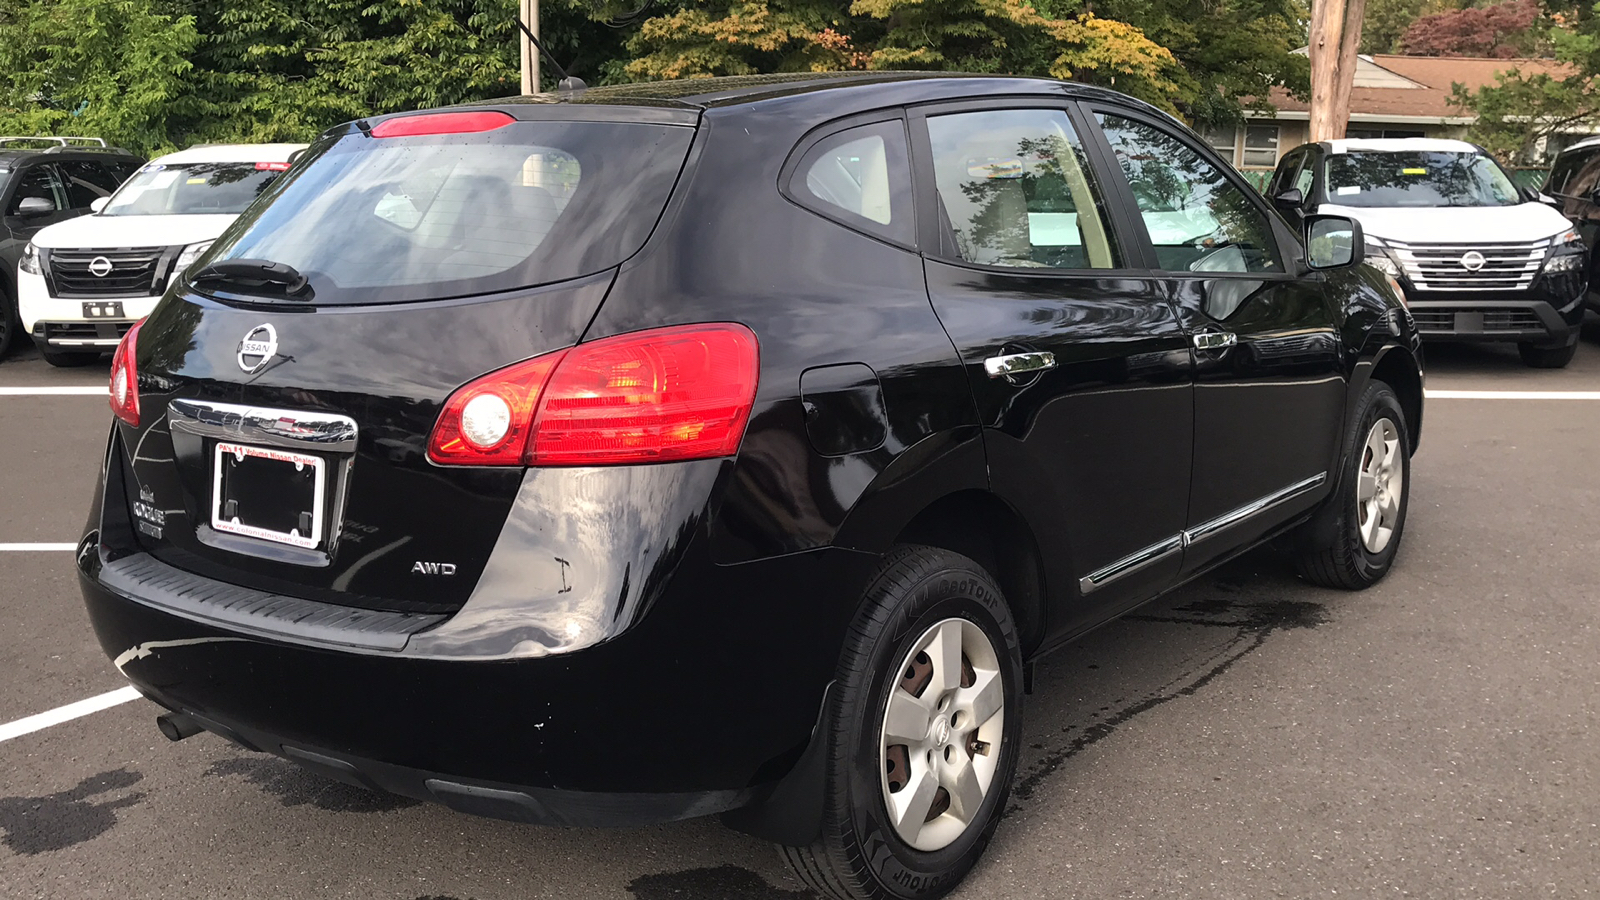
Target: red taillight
point(651, 396)
point(441, 123)
point(125, 378)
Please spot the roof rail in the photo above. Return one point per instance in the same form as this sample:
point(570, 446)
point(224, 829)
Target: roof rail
point(61, 141)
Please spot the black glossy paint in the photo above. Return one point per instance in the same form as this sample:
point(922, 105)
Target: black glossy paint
point(590, 606)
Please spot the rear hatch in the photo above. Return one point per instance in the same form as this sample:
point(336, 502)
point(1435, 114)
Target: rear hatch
point(284, 419)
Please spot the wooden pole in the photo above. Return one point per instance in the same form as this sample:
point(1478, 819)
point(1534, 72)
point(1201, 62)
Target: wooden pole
point(529, 10)
point(1335, 35)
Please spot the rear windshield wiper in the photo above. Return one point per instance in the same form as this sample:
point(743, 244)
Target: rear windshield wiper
point(255, 273)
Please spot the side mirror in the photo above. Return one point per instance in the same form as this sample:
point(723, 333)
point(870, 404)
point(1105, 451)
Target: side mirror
point(1289, 199)
point(1333, 242)
point(33, 207)
point(99, 203)
point(1528, 194)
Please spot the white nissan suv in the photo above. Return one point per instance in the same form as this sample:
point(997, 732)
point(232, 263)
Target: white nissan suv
point(82, 283)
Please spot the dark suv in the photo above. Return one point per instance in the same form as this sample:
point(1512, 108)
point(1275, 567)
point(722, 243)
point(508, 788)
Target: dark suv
point(728, 446)
point(41, 186)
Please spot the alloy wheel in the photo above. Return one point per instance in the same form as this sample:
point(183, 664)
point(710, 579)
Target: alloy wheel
point(1379, 486)
point(940, 743)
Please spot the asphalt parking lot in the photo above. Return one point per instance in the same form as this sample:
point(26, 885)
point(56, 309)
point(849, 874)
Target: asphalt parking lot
point(1248, 737)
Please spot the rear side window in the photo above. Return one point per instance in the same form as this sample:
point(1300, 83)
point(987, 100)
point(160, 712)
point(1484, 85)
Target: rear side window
point(378, 220)
point(861, 178)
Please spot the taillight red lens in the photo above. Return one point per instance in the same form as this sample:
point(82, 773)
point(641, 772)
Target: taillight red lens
point(465, 436)
point(652, 396)
point(125, 378)
point(441, 123)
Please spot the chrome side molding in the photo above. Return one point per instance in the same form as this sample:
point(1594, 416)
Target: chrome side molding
point(1137, 560)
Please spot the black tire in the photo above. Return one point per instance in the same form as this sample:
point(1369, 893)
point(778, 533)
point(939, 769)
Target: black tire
point(1329, 549)
point(1547, 357)
point(68, 359)
point(10, 323)
point(860, 856)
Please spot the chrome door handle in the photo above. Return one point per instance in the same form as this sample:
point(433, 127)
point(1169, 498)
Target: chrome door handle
point(1215, 340)
point(1013, 364)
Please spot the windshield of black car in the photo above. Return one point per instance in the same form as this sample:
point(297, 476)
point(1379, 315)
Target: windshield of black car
point(381, 220)
point(195, 189)
point(1418, 178)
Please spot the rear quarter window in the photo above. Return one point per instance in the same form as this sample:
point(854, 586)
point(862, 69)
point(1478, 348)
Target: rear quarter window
point(861, 178)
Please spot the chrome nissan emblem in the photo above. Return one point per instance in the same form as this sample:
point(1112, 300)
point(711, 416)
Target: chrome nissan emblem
point(1472, 260)
point(100, 267)
point(258, 348)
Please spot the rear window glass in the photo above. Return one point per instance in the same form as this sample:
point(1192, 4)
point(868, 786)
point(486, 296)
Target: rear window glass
point(193, 189)
point(378, 220)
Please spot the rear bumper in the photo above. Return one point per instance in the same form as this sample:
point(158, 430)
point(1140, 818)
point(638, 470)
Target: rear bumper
point(61, 323)
point(701, 707)
point(1525, 316)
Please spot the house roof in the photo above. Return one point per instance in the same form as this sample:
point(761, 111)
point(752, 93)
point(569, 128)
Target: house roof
point(1392, 88)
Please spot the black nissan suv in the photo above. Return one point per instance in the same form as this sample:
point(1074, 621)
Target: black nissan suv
point(729, 446)
point(44, 181)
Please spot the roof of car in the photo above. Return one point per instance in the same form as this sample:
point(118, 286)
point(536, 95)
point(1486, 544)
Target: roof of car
point(1584, 144)
point(893, 87)
point(1400, 145)
point(217, 153)
point(14, 155)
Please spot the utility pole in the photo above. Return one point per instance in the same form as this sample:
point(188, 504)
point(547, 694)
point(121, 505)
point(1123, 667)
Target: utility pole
point(1335, 35)
point(530, 54)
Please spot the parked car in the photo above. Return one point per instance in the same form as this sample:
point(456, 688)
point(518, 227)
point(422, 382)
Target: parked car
point(1477, 258)
point(43, 185)
point(83, 283)
point(735, 447)
point(1574, 182)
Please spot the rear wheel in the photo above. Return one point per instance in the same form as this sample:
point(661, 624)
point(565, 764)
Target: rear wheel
point(68, 359)
point(1351, 542)
point(1547, 357)
point(923, 733)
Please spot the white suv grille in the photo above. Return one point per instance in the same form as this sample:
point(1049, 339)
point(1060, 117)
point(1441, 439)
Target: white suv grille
point(1470, 267)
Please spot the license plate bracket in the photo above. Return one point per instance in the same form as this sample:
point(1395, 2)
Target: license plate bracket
point(268, 493)
point(103, 309)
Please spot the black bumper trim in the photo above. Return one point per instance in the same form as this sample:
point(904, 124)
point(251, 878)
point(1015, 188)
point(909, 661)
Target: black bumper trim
point(144, 579)
point(1467, 318)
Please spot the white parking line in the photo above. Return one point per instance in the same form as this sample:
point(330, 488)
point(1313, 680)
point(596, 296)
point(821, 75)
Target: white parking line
point(28, 548)
point(97, 390)
point(1512, 395)
point(66, 713)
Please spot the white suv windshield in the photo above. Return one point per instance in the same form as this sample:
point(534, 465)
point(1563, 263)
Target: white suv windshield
point(1371, 178)
point(194, 189)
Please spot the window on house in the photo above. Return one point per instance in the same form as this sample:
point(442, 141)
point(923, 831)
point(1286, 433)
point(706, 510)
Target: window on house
point(1261, 146)
point(1223, 140)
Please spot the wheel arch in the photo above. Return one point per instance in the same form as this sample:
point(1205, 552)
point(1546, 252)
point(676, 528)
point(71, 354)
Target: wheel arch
point(1396, 367)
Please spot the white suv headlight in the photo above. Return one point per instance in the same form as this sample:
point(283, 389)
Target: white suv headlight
point(1567, 253)
point(1379, 258)
point(187, 258)
point(30, 260)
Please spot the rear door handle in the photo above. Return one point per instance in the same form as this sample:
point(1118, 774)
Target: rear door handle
point(1215, 340)
point(1013, 364)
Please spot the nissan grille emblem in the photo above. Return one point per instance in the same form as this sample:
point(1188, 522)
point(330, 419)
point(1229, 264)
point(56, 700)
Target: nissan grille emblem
point(258, 348)
point(100, 267)
point(1472, 260)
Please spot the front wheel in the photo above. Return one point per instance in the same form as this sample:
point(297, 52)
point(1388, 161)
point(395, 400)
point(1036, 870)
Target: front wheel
point(924, 727)
point(10, 325)
point(1547, 357)
point(1351, 542)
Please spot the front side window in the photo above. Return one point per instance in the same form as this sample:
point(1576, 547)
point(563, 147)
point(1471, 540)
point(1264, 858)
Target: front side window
point(861, 178)
point(38, 182)
point(193, 189)
point(1369, 178)
point(1016, 190)
point(87, 182)
point(1198, 220)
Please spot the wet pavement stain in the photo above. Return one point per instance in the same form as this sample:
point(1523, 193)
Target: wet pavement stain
point(720, 883)
point(35, 825)
point(293, 786)
point(1255, 623)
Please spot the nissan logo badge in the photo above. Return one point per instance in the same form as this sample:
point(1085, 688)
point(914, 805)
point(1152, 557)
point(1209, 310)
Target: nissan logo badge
point(100, 267)
point(1472, 260)
point(258, 348)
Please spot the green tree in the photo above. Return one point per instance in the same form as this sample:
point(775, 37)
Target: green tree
point(108, 68)
point(1386, 21)
point(1524, 106)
